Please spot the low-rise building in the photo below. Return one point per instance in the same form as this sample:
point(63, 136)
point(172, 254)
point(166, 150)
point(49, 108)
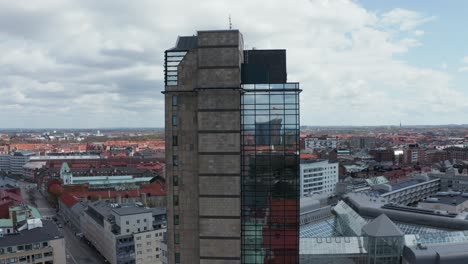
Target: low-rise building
point(452, 179)
point(37, 241)
point(18, 160)
point(323, 142)
point(151, 195)
point(451, 202)
point(71, 210)
point(318, 176)
point(125, 233)
point(362, 142)
point(25, 238)
point(4, 149)
point(97, 181)
point(31, 169)
point(383, 155)
point(410, 191)
point(5, 162)
point(413, 153)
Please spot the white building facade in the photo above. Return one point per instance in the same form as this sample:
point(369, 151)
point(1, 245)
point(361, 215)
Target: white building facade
point(318, 176)
point(312, 144)
point(125, 235)
point(18, 160)
point(5, 162)
point(148, 246)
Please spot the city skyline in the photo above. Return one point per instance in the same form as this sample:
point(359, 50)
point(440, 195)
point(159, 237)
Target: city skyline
point(359, 62)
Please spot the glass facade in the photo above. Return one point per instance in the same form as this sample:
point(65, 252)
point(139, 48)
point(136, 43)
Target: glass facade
point(357, 250)
point(384, 250)
point(349, 222)
point(270, 173)
point(333, 250)
point(330, 228)
point(437, 238)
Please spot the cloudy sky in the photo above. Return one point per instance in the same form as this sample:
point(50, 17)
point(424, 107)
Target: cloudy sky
point(89, 63)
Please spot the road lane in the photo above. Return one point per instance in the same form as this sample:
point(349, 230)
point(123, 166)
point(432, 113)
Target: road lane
point(80, 252)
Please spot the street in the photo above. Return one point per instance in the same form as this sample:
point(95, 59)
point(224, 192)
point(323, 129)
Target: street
point(77, 250)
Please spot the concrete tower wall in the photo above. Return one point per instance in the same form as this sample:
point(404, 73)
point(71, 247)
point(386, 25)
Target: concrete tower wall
point(207, 151)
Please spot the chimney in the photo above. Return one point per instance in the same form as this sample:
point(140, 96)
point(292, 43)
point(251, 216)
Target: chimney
point(15, 221)
point(143, 198)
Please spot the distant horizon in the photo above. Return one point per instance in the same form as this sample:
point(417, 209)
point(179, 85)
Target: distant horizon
point(302, 126)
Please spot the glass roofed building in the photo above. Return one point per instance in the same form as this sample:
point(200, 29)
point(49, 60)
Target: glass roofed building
point(349, 236)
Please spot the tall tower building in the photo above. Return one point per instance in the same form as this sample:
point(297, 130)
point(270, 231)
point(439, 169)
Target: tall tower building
point(232, 145)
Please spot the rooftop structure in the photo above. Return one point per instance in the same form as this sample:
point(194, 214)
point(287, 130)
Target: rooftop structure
point(47, 231)
point(17, 216)
point(377, 180)
point(381, 226)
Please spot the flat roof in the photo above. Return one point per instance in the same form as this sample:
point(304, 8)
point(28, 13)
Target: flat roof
point(309, 161)
point(405, 184)
point(96, 180)
point(158, 210)
point(34, 164)
point(454, 237)
point(65, 157)
point(449, 200)
point(442, 253)
point(101, 207)
point(48, 231)
point(329, 227)
point(331, 245)
point(131, 210)
point(185, 43)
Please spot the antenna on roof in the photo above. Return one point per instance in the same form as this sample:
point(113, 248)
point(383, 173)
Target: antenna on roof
point(230, 22)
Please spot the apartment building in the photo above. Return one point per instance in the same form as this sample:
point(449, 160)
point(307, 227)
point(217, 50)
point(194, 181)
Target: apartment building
point(124, 233)
point(318, 176)
point(37, 241)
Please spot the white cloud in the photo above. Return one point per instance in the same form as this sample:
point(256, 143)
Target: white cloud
point(465, 60)
point(100, 62)
point(418, 33)
point(464, 67)
point(405, 19)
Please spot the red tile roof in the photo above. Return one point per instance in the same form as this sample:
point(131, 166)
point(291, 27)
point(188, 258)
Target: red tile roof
point(68, 199)
point(308, 156)
point(152, 189)
point(6, 195)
